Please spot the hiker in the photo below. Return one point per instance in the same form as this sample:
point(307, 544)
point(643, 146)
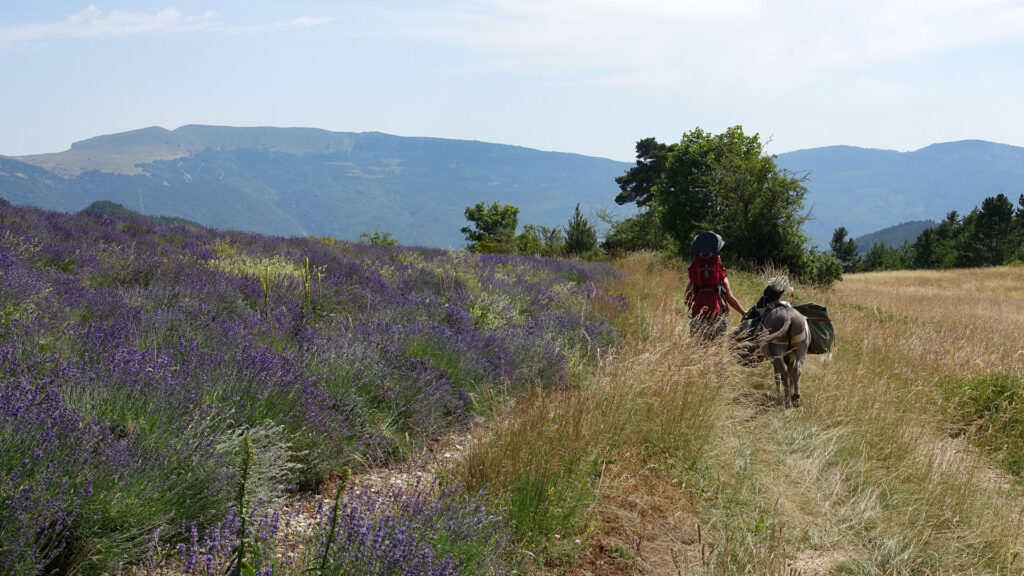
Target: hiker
point(708, 293)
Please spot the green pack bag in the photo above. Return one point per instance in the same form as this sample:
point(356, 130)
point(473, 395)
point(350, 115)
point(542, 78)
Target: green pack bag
point(823, 333)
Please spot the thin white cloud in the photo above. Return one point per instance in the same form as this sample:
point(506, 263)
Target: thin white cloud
point(95, 23)
point(303, 22)
point(738, 42)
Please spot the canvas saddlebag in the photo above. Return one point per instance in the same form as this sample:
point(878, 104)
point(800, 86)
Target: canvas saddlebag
point(823, 333)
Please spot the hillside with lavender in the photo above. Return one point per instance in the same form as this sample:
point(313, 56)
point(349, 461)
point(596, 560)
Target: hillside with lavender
point(163, 389)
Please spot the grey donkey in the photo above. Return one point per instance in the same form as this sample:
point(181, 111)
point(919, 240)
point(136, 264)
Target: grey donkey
point(785, 339)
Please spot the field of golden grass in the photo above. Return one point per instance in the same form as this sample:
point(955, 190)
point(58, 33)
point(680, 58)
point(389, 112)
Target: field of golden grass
point(671, 458)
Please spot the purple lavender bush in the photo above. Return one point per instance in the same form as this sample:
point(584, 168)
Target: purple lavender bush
point(421, 530)
point(130, 351)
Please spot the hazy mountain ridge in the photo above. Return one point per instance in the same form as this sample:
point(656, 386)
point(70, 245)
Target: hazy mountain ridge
point(867, 190)
point(295, 181)
point(894, 236)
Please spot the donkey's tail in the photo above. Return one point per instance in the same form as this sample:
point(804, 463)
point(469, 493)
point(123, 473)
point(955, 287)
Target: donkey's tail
point(780, 332)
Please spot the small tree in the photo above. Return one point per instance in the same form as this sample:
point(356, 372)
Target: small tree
point(821, 268)
point(844, 249)
point(378, 237)
point(580, 235)
point(542, 240)
point(882, 257)
point(994, 233)
point(554, 240)
point(494, 228)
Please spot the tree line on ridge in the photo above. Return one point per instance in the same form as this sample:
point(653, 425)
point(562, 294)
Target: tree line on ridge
point(991, 235)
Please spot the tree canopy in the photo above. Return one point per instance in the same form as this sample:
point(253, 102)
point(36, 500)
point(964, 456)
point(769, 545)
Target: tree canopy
point(637, 184)
point(725, 183)
point(987, 236)
point(494, 231)
point(494, 228)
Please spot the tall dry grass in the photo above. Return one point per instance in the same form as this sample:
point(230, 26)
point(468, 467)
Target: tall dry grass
point(563, 458)
point(673, 459)
point(866, 478)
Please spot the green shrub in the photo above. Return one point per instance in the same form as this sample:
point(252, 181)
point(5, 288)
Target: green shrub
point(820, 268)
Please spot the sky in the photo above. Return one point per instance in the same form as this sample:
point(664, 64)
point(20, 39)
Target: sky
point(584, 76)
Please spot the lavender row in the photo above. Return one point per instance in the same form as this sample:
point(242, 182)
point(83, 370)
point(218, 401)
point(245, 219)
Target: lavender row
point(130, 350)
point(417, 531)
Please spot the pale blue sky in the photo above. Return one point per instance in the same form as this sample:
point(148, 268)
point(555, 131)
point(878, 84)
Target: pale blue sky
point(584, 76)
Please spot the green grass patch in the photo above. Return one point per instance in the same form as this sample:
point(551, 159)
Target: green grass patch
point(990, 409)
point(443, 360)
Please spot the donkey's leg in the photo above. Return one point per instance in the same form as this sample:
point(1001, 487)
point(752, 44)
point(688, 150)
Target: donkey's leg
point(781, 381)
point(795, 363)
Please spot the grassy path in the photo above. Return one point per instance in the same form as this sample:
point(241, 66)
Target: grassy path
point(674, 460)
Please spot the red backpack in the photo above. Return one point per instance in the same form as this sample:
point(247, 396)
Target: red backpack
point(707, 276)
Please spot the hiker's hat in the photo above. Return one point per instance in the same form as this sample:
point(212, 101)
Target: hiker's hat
point(707, 243)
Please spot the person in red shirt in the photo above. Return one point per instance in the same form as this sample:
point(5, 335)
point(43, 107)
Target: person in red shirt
point(708, 294)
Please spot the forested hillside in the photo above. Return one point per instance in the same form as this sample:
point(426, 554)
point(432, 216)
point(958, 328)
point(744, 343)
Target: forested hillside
point(894, 236)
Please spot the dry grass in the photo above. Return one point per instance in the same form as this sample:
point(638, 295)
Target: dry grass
point(601, 463)
point(866, 475)
point(959, 320)
point(680, 462)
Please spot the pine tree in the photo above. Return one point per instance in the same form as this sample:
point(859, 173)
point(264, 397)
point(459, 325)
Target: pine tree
point(844, 249)
point(580, 235)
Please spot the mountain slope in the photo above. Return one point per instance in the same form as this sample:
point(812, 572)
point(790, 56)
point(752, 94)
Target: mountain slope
point(893, 236)
point(295, 181)
point(866, 190)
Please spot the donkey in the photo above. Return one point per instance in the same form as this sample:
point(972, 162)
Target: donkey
point(785, 339)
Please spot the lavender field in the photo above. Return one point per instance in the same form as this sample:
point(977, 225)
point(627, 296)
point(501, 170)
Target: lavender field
point(135, 358)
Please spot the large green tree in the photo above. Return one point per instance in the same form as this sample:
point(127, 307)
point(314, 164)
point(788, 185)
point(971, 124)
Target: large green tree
point(722, 182)
point(758, 205)
point(637, 184)
point(994, 232)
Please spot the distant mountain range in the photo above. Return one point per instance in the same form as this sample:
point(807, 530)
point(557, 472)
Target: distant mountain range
point(295, 181)
point(299, 181)
point(866, 190)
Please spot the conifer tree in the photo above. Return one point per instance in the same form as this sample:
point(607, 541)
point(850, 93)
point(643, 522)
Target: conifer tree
point(580, 235)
